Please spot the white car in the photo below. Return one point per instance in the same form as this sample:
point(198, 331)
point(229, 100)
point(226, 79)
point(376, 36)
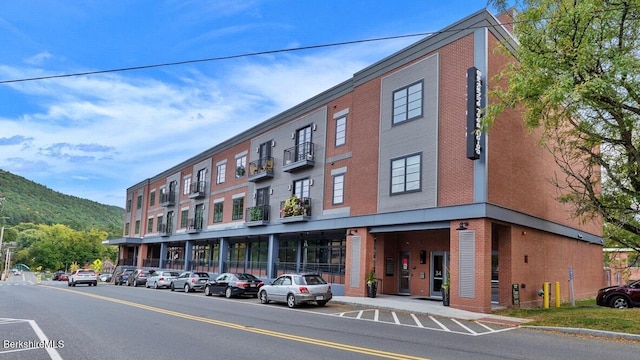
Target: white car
point(296, 289)
point(161, 279)
point(83, 276)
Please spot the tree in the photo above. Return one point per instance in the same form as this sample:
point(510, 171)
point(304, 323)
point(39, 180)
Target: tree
point(577, 78)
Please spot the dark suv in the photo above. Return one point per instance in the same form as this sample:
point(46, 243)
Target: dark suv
point(620, 296)
point(138, 277)
point(122, 277)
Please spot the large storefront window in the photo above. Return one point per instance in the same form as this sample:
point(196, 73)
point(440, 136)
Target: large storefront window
point(321, 253)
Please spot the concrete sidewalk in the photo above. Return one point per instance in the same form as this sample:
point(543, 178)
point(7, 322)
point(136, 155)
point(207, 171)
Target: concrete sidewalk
point(422, 305)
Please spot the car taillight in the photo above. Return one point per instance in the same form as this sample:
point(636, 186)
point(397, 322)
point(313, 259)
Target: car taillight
point(242, 284)
point(304, 290)
point(329, 289)
point(260, 283)
point(161, 279)
point(193, 280)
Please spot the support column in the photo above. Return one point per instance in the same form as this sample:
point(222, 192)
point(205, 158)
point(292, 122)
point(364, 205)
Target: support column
point(188, 254)
point(163, 254)
point(222, 257)
point(272, 256)
point(360, 261)
point(143, 249)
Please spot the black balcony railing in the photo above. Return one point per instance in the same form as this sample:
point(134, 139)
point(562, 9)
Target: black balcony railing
point(257, 213)
point(165, 229)
point(261, 169)
point(194, 225)
point(197, 189)
point(299, 156)
point(168, 199)
point(295, 206)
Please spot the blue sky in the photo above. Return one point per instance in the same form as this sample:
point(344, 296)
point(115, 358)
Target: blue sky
point(94, 136)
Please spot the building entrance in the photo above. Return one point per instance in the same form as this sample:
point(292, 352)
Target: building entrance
point(438, 272)
point(403, 286)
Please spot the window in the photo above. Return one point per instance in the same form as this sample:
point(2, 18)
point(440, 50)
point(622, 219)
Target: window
point(407, 103)
point(238, 209)
point(169, 228)
point(126, 228)
point(222, 171)
point(338, 189)
point(241, 166)
point(152, 198)
point(405, 174)
point(187, 186)
point(137, 230)
point(301, 188)
point(183, 218)
point(217, 211)
point(139, 204)
point(160, 218)
point(128, 205)
point(341, 130)
point(150, 225)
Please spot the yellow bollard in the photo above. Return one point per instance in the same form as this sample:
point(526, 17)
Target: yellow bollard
point(545, 297)
point(38, 278)
point(557, 294)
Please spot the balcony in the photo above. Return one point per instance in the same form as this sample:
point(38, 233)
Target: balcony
point(168, 199)
point(165, 229)
point(257, 215)
point(295, 209)
point(194, 225)
point(261, 169)
point(299, 157)
point(197, 190)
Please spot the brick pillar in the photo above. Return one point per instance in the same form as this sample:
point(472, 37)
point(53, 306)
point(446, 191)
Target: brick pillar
point(359, 262)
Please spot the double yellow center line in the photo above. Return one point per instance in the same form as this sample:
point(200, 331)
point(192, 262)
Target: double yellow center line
point(265, 332)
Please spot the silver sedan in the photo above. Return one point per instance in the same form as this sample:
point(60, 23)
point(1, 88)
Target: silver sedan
point(161, 279)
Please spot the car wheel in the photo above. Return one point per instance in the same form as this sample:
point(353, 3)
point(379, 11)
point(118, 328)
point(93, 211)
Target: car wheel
point(147, 285)
point(186, 288)
point(155, 285)
point(68, 283)
point(207, 291)
point(291, 301)
point(619, 302)
point(228, 292)
point(73, 284)
point(173, 288)
point(95, 283)
point(263, 297)
point(134, 283)
point(322, 303)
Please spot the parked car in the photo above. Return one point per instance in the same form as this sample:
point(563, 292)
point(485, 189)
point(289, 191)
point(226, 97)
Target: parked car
point(63, 277)
point(190, 281)
point(83, 276)
point(296, 289)
point(161, 279)
point(138, 277)
point(106, 277)
point(620, 296)
point(123, 276)
point(232, 285)
point(56, 275)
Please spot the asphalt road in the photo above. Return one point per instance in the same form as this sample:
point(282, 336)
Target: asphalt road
point(115, 322)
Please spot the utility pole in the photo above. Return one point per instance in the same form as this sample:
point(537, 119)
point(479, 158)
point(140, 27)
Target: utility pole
point(2, 230)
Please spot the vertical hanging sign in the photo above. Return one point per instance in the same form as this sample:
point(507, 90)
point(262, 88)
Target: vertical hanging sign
point(474, 112)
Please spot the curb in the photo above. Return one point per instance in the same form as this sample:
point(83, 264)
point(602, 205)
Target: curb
point(582, 331)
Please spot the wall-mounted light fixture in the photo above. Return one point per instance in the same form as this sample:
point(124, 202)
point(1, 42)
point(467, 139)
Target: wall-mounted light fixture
point(351, 232)
point(463, 225)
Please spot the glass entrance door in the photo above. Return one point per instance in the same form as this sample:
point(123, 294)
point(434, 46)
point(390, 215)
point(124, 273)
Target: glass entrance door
point(403, 287)
point(438, 272)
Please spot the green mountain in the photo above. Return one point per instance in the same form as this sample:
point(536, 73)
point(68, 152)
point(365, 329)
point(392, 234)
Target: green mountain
point(28, 202)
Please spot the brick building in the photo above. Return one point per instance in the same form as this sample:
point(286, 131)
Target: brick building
point(388, 176)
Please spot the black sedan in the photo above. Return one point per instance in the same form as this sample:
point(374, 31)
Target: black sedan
point(233, 285)
point(620, 296)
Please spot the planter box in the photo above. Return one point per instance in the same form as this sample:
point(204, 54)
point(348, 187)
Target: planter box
point(294, 219)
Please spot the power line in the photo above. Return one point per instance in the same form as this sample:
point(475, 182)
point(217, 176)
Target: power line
point(267, 52)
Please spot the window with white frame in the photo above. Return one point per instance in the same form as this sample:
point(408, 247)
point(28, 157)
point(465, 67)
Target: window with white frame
point(238, 209)
point(221, 173)
point(407, 103)
point(405, 174)
point(302, 188)
point(187, 186)
point(241, 166)
point(341, 130)
point(338, 189)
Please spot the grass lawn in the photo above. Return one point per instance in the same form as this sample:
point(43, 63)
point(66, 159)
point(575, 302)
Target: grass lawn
point(586, 314)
